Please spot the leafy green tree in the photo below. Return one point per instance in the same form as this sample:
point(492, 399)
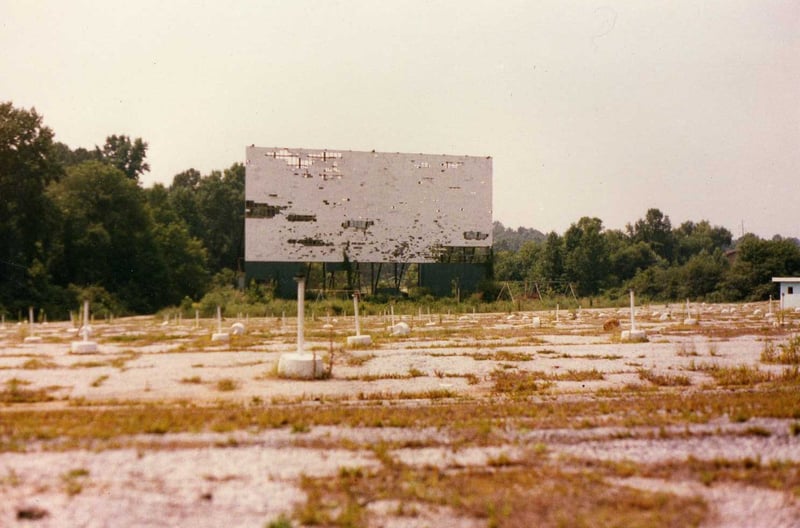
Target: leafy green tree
point(586, 255)
point(27, 217)
point(183, 255)
point(183, 199)
point(125, 154)
point(655, 229)
point(550, 266)
point(757, 261)
point(508, 266)
point(220, 208)
point(160, 205)
point(507, 239)
point(659, 282)
point(692, 238)
point(630, 258)
point(67, 157)
point(703, 273)
point(184, 259)
point(107, 236)
point(188, 179)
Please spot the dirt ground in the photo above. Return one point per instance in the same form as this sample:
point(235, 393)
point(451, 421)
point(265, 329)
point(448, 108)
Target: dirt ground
point(468, 395)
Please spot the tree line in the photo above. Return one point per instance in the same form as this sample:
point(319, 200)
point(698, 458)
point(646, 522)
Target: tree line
point(77, 224)
point(660, 262)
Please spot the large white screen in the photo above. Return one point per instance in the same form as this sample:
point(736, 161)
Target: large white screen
point(305, 205)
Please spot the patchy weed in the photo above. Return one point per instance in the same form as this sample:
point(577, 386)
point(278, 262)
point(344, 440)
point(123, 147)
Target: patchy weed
point(99, 380)
point(15, 393)
point(39, 363)
point(505, 355)
point(789, 352)
point(74, 481)
point(227, 385)
point(354, 360)
point(741, 375)
point(664, 380)
point(518, 384)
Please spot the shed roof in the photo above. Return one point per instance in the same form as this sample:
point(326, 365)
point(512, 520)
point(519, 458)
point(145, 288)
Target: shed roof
point(785, 279)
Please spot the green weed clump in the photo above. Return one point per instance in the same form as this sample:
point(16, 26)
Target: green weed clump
point(664, 380)
point(227, 385)
point(789, 353)
point(14, 392)
point(505, 355)
point(741, 375)
point(525, 493)
point(778, 475)
point(281, 522)
point(74, 480)
point(99, 380)
point(519, 384)
point(358, 360)
point(581, 375)
point(38, 363)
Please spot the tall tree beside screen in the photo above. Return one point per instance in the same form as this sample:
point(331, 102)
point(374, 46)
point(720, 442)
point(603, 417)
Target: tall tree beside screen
point(220, 207)
point(108, 236)
point(27, 165)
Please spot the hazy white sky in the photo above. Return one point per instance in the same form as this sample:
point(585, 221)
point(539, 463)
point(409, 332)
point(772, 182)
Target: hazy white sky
point(588, 108)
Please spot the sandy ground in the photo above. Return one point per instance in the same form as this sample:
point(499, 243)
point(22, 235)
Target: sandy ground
point(206, 482)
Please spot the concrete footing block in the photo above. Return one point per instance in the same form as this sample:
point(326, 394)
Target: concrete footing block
point(359, 340)
point(634, 335)
point(300, 366)
point(83, 347)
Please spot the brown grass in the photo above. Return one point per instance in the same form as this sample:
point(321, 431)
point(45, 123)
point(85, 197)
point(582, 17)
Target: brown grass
point(664, 380)
point(227, 385)
point(779, 476)
point(15, 392)
point(787, 353)
point(512, 494)
point(519, 384)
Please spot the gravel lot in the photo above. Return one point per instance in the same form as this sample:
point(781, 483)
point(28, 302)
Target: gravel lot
point(252, 477)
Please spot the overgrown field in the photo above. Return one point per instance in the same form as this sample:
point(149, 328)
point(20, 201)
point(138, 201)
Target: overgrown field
point(513, 419)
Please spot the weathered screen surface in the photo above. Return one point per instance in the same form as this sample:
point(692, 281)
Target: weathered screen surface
point(305, 205)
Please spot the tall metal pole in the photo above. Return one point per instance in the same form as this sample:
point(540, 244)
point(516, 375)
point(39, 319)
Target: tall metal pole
point(633, 319)
point(301, 298)
point(85, 320)
point(355, 308)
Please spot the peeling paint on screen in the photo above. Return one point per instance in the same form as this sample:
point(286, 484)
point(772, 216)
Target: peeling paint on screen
point(310, 205)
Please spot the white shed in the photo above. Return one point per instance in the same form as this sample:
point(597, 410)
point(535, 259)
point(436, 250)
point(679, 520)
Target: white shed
point(790, 291)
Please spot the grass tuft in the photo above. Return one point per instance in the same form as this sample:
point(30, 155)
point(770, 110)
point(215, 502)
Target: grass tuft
point(789, 353)
point(14, 392)
point(664, 380)
point(518, 384)
point(227, 385)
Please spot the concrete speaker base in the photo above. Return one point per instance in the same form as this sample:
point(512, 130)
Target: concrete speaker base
point(83, 347)
point(634, 335)
point(360, 340)
point(300, 366)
